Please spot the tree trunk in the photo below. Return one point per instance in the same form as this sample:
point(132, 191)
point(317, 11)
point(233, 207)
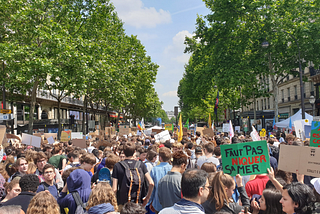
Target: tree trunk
point(32, 104)
point(274, 89)
point(84, 115)
point(59, 119)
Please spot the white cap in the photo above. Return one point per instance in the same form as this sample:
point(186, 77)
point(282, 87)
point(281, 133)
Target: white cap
point(316, 184)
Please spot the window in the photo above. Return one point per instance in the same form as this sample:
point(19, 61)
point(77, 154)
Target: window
point(282, 94)
point(295, 91)
point(257, 105)
point(311, 86)
point(261, 104)
point(288, 92)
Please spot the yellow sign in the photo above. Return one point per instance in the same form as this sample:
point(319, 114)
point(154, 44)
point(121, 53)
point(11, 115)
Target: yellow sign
point(5, 111)
point(263, 133)
point(168, 127)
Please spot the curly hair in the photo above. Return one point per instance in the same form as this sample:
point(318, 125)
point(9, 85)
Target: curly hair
point(102, 193)
point(43, 202)
point(29, 182)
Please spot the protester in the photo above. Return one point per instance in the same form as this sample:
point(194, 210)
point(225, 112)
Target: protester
point(44, 203)
point(208, 155)
point(12, 189)
point(22, 168)
point(151, 159)
point(87, 162)
point(58, 160)
point(48, 184)
point(29, 185)
point(12, 209)
point(73, 158)
point(220, 195)
point(169, 187)
point(195, 190)
point(132, 208)
point(269, 202)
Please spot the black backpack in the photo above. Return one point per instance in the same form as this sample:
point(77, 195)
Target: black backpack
point(132, 183)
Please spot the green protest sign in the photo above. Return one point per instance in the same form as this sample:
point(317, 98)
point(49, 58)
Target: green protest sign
point(250, 158)
point(315, 134)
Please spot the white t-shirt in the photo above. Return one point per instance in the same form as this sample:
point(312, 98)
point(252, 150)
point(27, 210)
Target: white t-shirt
point(204, 159)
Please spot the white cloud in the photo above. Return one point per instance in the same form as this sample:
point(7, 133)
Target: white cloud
point(170, 94)
point(133, 13)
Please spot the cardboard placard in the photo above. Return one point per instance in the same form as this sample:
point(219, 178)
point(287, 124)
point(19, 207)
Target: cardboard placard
point(157, 131)
point(185, 131)
point(237, 128)
point(124, 130)
point(65, 136)
point(110, 131)
point(168, 127)
point(163, 136)
point(304, 159)
point(76, 135)
point(134, 129)
point(250, 158)
point(31, 140)
point(47, 135)
point(50, 140)
point(80, 143)
point(200, 129)
point(225, 127)
point(3, 130)
point(104, 143)
point(208, 132)
point(13, 136)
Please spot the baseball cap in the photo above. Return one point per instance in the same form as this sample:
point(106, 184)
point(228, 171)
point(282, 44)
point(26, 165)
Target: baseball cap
point(316, 184)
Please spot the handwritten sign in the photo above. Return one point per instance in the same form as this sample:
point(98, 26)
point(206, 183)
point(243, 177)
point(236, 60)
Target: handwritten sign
point(315, 134)
point(65, 136)
point(168, 127)
point(245, 158)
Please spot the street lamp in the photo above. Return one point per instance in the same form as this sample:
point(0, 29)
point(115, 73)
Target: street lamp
point(312, 100)
point(266, 44)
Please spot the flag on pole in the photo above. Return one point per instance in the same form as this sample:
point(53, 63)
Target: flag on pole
point(231, 132)
point(180, 132)
point(142, 124)
point(274, 124)
point(209, 121)
point(290, 126)
point(216, 104)
point(212, 126)
point(139, 126)
point(187, 124)
point(254, 134)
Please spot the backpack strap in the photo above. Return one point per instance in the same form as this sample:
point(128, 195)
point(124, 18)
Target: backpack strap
point(78, 200)
point(44, 186)
point(126, 167)
point(136, 166)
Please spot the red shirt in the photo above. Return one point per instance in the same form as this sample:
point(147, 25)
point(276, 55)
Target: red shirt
point(257, 185)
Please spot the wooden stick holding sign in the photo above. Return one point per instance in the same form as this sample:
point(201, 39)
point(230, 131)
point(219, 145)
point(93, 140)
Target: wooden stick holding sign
point(250, 158)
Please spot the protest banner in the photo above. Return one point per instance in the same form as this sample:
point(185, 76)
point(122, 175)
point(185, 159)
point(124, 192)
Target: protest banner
point(209, 132)
point(50, 140)
point(302, 158)
point(2, 132)
point(200, 129)
point(315, 134)
point(254, 134)
point(80, 143)
point(65, 136)
point(237, 128)
point(162, 136)
point(31, 140)
point(225, 127)
point(124, 130)
point(250, 158)
point(307, 131)
point(76, 135)
point(168, 127)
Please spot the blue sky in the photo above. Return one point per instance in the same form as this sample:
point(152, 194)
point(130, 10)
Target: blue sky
point(161, 26)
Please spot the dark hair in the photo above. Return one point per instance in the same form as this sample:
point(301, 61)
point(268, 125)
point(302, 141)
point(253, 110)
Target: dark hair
point(129, 149)
point(151, 154)
point(29, 183)
point(209, 167)
point(48, 166)
point(132, 208)
point(209, 147)
point(272, 200)
point(179, 158)
point(270, 185)
point(189, 145)
point(74, 154)
point(165, 154)
point(39, 156)
point(192, 180)
point(217, 151)
point(218, 141)
point(95, 152)
point(198, 134)
point(303, 195)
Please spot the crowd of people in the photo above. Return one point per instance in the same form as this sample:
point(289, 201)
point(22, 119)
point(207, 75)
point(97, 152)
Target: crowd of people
point(137, 174)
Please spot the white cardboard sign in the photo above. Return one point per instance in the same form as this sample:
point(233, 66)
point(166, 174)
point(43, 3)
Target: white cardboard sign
point(163, 136)
point(31, 140)
point(50, 140)
point(76, 135)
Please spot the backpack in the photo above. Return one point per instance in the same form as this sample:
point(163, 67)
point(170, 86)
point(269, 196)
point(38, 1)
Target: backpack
point(131, 186)
point(81, 207)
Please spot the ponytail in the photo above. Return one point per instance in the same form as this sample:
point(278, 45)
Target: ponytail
point(218, 193)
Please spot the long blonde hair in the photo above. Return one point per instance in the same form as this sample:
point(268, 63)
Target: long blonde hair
point(43, 202)
point(218, 193)
point(102, 193)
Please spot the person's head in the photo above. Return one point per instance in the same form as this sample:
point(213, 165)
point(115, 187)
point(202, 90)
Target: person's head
point(132, 208)
point(195, 185)
point(177, 147)
point(22, 165)
point(73, 156)
point(57, 149)
point(11, 209)
point(40, 160)
point(48, 172)
point(209, 167)
point(297, 198)
point(102, 193)
point(290, 138)
point(270, 201)
point(152, 156)
point(198, 134)
point(222, 189)
point(217, 151)
point(87, 161)
point(111, 160)
point(164, 154)
point(208, 148)
point(180, 160)
point(198, 151)
point(12, 189)
point(43, 202)
point(29, 183)
point(129, 149)
point(142, 153)
point(316, 188)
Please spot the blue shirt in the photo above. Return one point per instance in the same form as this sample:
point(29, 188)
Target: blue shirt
point(52, 189)
point(156, 174)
